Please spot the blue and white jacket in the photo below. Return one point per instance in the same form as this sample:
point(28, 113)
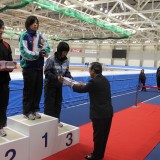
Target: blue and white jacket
point(55, 67)
point(31, 45)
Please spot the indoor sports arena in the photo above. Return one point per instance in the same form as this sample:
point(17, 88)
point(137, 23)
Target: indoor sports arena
point(79, 79)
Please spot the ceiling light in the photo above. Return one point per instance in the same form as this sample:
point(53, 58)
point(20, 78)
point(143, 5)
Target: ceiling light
point(92, 5)
point(105, 41)
point(90, 42)
point(66, 2)
point(101, 9)
point(108, 20)
point(148, 41)
point(134, 31)
point(76, 41)
point(119, 42)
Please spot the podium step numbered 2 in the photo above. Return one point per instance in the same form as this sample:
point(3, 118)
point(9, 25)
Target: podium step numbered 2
point(36, 139)
point(14, 146)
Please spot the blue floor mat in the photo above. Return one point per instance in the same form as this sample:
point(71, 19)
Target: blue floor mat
point(143, 96)
point(155, 154)
point(76, 116)
point(79, 115)
point(155, 100)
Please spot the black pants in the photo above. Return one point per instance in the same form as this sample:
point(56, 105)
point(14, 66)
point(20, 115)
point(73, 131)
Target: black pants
point(52, 100)
point(4, 98)
point(158, 82)
point(143, 86)
point(101, 129)
point(32, 91)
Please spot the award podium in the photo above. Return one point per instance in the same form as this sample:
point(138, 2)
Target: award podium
point(41, 137)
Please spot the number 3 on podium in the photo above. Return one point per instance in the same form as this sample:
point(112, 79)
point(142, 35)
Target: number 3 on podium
point(70, 140)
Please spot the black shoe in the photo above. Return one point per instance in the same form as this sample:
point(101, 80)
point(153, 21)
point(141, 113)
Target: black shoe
point(90, 157)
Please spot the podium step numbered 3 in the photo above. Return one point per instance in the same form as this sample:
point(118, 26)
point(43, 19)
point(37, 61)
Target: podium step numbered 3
point(36, 139)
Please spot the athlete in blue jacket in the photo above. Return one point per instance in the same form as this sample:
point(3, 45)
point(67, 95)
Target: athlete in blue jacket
point(33, 47)
point(56, 68)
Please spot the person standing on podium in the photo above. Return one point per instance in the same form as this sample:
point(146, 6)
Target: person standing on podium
point(101, 110)
point(56, 68)
point(33, 48)
point(5, 55)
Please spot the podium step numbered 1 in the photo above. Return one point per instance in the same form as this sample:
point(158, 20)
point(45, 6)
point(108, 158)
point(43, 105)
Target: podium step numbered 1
point(36, 139)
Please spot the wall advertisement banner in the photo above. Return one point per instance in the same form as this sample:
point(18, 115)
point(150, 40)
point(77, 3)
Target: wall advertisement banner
point(87, 51)
point(76, 50)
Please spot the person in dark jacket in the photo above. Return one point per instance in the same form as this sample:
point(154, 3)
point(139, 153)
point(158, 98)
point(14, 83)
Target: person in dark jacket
point(56, 68)
point(142, 80)
point(33, 47)
point(5, 55)
point(101, 110)
point(158, 78)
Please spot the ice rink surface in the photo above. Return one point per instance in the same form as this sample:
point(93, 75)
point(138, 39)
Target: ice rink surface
point(17, 75)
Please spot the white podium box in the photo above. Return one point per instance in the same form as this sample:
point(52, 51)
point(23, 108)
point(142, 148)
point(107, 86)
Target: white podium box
point(15, 146)
point(42, 134)
point(68, 136)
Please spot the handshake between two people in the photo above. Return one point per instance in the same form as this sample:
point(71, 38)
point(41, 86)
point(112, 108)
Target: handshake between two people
point(42, 53)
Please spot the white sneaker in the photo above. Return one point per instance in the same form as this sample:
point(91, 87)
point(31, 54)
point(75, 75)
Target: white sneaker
point(30, 116)
point(37, 115)
point(60, 124)
point(2, 133)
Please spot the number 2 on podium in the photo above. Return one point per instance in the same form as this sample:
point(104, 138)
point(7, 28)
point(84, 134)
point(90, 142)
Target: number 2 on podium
point(13, 151)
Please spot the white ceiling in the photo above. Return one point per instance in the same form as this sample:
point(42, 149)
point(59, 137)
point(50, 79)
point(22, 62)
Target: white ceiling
point(140, 17)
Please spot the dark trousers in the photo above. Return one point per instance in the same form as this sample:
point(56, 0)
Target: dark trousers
point(143, 86)
point(32, 91)
point(158, 82)
point(4, 98)
point(52, 100)
point(101, 129)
